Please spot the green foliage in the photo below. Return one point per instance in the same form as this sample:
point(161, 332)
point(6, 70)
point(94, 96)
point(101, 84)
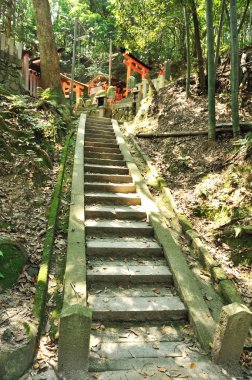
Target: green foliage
point(245, 143)
point(48, 95)
point(12, 261)
point(153, 30)
point(4, 90)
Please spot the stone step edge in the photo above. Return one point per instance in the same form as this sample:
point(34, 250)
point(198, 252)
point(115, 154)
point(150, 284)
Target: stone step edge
point(200, 315)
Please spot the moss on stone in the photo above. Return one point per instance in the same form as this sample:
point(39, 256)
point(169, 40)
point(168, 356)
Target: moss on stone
point(229, 292)
point(42, 284)
point(185, 223)
point(12, 261)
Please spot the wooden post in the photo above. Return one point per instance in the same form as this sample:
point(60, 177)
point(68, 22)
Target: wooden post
point(167, 70)
point(129, 71)
point(110, 61)
point(11, 46)
point(73, 62)
point(25, 69)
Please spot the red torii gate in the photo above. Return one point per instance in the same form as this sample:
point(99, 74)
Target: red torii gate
point(134, 64)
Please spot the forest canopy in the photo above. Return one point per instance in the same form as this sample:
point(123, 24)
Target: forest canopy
point(153, 30)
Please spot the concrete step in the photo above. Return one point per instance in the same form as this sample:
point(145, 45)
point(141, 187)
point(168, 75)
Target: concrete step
point(127, 350)
point(149, 369)
point(99, 128)
point(99, 120)
point(137, 308)
point(124, 248)
point(101, 161)
point(101, 144)
point(99, 131)
point(114, 199)
point(138, 350)
point(99, 137)
point(114, 212)
point(114, 178)
point(138, 332)
point(103, 155)
point(90, 148)
point(106, 290)
point(110, 187)
point(105, 370)
point(129, 273)
point(106, 141)
point(117, 227)
point(152, 361)
point(103, 169)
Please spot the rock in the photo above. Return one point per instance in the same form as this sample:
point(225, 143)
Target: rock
point(7, 335)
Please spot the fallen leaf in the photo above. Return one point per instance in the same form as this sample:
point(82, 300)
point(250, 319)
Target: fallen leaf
point(36, 365)
point(162, 369)
point(156, 290)
point(192, 365)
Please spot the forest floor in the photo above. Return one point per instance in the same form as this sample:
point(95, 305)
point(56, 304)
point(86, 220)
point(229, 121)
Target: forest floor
point(210, 181)
point(32, 135)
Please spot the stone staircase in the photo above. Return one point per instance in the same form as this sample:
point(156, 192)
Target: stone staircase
point(139, 321)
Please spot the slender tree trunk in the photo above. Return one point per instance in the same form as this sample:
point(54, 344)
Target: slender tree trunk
point(250, 23)
point(8, 20)
point(219, 34)
point(211, 71)
point(198, 46)
point(234, 68)
point(227, 12)
point(1, 15)
point(244, 16)
point(188, 56)
point(49, 61)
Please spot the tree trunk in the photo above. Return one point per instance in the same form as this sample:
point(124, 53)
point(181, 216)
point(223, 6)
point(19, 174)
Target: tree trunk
point(250, 23)
point(188, 56)
point(227, 12)
point(2, 13)
point(243, 16)
point(219, 34)
point(49, 60)
point(211, 71)
point(198, 46)
point(8, 20)
point(234, 68)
